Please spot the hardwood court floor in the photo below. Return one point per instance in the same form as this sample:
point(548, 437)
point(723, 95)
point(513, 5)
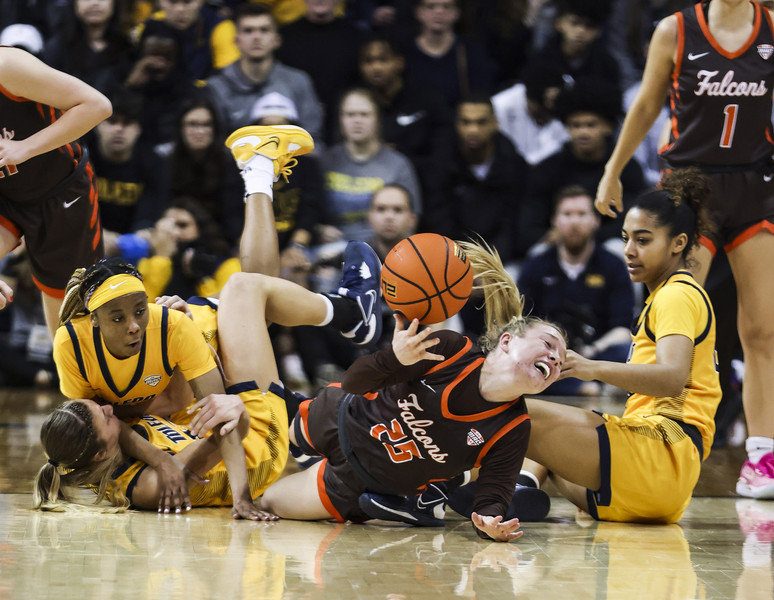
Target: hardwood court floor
point(720, 550)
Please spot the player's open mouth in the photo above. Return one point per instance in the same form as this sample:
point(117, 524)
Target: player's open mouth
point(544, 368)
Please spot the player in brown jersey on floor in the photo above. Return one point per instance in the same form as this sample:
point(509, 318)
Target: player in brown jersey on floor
point(716, 60)
point(47, 191)
point(426, 409)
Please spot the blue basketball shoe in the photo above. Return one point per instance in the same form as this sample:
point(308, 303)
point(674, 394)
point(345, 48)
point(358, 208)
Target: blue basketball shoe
point(361, 282)
point(425, 510)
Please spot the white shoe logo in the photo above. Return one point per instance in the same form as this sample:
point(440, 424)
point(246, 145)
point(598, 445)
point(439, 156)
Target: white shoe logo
point(768, 178)
point(365, 272)
point(692, 56)
point(71, 202)
point(112, 287)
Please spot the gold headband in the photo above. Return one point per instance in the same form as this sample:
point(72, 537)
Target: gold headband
point(114, 287)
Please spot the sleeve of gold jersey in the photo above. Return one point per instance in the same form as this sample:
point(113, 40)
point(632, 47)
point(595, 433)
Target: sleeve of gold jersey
point(678, 309)
point(71, 382)
point(187, 348)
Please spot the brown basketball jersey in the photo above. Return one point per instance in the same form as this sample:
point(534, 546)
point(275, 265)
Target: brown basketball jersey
point(721, 101)
point(32, 180)
point(430, 422)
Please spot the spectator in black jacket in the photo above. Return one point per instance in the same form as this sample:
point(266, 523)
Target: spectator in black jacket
point(325, 46)
point(483, 186)
point(576, 47)
point(415, 119)
point(590, 111)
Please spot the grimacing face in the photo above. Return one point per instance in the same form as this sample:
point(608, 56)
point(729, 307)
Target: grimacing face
point(535, 358)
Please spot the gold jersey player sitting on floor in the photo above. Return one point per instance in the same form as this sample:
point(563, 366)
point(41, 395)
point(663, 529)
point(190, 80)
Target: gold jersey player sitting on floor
point(116, 349)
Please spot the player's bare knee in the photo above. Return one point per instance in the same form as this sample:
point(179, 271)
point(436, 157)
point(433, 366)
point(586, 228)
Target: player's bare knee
point(246, 285)
point(757, 336)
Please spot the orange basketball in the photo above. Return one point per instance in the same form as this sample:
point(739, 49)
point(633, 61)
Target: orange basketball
point(427, 277)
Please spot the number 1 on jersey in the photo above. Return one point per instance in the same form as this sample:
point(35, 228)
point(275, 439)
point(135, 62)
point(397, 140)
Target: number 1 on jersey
point(729, 124)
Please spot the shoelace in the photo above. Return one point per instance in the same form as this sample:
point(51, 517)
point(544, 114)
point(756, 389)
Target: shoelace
point(287, 168)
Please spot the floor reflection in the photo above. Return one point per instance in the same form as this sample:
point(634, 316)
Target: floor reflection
point(720, 550)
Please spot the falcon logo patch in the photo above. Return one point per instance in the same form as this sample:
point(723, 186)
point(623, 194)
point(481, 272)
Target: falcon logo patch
point(765, 51)
point(475, 438)
point(152, 380)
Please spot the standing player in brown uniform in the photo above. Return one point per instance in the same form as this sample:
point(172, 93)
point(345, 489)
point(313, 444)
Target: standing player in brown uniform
point(46, 183)
point(428, 408)
point(716, 60)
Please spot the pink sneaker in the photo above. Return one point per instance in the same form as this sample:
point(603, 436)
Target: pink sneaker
point(757, 481)
point(756, 518)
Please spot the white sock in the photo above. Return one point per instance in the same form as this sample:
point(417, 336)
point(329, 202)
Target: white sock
point(258, 175)
point(757, 447)
point(328, 310)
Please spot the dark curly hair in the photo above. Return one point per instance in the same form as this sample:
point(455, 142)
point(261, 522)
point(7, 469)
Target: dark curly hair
point(680, 204)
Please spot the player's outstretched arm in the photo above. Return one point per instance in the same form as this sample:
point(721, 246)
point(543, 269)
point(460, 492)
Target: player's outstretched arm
point(496, 528)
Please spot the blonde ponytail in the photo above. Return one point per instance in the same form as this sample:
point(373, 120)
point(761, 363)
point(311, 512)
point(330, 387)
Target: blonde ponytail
point(503, 303)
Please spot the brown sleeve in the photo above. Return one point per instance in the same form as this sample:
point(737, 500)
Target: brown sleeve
point(499, 473)
point(375, 371)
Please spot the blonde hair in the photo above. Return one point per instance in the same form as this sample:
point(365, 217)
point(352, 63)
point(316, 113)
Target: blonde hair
point(503, 303)
point(70, 441)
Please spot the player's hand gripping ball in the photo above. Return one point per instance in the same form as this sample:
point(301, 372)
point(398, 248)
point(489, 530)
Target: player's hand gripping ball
point(427, 277)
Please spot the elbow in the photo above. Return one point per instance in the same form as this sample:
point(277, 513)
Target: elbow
point(672, 387)
point(103, 108)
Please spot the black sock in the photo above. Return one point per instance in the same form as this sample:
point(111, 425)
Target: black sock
point(526, 481)
point(346, 313)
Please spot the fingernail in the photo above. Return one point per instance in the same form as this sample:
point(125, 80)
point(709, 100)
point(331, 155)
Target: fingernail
point(166, 510)
point(177, 510)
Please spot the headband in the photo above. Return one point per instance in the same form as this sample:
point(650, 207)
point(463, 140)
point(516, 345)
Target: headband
point(112, 288)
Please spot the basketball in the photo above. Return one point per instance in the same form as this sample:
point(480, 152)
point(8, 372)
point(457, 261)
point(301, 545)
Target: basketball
point(427, 277)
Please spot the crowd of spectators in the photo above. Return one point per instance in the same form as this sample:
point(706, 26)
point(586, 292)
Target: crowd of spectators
point(469, 118)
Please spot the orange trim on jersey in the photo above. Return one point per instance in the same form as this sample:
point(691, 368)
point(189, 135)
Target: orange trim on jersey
point(96, 238)
point(680, 44)
point(713, 42)
point(749, 233)
point(367, 396)
point(453, 359)
point(708, 244)
point(10, 226)
point(303, 414)
point(10, 96)
point(674, 96)
point(93, 198)
point(326, 501)
point(488, 446)
point(475, 417)
point(49, 291)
